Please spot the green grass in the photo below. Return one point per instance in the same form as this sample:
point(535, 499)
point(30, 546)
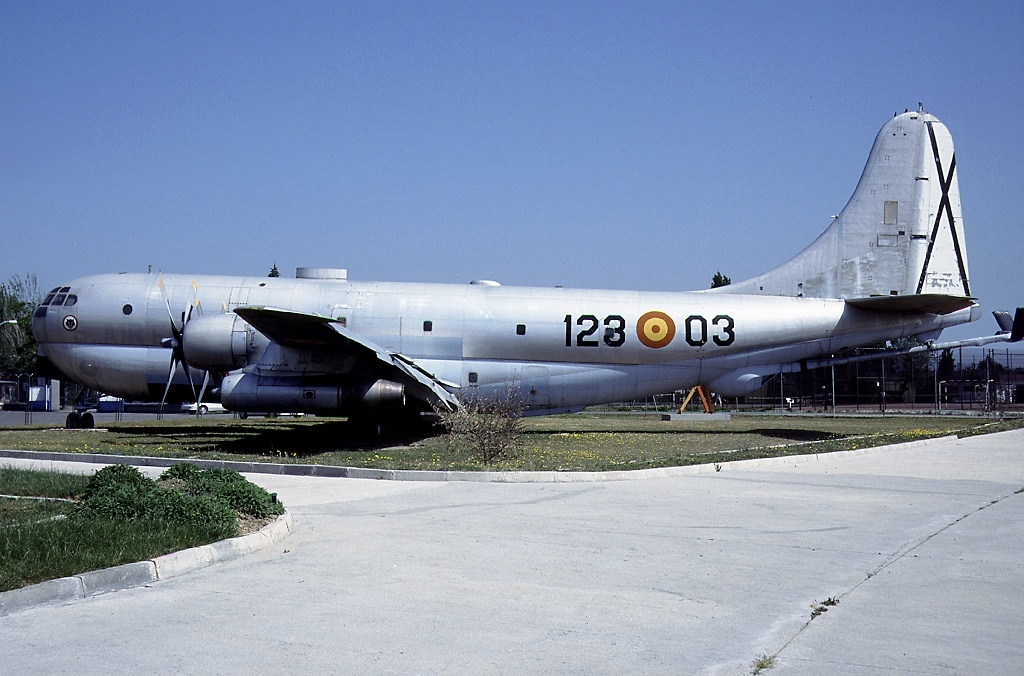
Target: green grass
point(119, 516)
point(29, 510)
point(46, 550)
point(576, 442)
point(15, 481)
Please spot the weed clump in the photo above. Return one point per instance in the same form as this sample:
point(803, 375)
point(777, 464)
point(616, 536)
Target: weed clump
point(819, 608)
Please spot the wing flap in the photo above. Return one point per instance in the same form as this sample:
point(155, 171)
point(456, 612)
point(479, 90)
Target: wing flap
point(301, 331)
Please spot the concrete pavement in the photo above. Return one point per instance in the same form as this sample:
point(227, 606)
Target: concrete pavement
point(683, 574)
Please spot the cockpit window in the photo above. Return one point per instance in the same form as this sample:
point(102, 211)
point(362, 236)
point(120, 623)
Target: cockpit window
point(60, 296)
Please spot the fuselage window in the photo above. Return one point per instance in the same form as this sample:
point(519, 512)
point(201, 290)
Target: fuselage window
point(127, 309)
point(520, 329)
point(428, 326)
point(473, 377)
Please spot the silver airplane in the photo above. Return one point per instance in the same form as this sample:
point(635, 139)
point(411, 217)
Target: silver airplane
point(892, 264)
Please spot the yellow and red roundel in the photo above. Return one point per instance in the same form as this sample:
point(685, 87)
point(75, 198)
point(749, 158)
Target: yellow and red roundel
point(655, 329)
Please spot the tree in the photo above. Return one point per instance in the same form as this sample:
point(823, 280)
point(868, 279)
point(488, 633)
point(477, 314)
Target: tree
point(274, 272)
point(720, 280)
point(487, 427)
point(18, 299)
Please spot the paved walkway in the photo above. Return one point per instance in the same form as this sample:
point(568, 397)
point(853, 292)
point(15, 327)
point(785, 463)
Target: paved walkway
point(688, 574)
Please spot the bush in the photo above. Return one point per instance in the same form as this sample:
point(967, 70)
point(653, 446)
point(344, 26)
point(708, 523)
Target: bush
point(117, 477)
point(226, 485)
point(185, 471)
point(488, 427)
point(250, 499)
point(189, 496)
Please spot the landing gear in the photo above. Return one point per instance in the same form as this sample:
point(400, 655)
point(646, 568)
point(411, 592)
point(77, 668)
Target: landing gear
point(76, 421)
point(393, 425)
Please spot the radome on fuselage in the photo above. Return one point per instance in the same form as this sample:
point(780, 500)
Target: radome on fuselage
point(892, 264)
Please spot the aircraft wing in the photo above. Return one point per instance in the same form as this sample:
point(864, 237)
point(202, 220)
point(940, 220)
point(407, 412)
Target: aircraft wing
point(301, 331)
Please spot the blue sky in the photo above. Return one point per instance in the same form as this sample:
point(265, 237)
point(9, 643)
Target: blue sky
point(614, 145)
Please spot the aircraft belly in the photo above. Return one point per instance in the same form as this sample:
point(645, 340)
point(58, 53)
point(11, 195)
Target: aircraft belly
point(112, 369)
point(560, 386)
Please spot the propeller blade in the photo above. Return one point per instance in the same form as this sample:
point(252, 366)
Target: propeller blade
point(167, 302)
point(192, 383)
point(177, 342)
point(202, 389)
point(170, 377)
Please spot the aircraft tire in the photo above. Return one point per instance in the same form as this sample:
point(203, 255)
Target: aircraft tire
point(73, 421)
point(243, 415)
point(87, 422)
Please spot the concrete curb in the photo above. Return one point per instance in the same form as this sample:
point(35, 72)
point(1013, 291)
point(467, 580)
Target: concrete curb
point(445, 475)
point(93, 583)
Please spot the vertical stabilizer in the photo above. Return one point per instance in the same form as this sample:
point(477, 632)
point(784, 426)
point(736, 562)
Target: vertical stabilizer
point(900, 234)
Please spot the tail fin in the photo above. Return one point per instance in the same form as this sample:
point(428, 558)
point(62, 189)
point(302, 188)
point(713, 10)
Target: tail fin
point(900, 234)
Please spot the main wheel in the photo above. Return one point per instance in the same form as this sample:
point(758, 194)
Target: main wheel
point(87, 422)
point(73, 421)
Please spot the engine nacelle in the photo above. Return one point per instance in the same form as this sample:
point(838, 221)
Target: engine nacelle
point(249, 392)
point(737, 383)
point(221, 343)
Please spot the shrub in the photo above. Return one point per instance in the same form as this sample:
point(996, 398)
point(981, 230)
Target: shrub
point(226, 485)
point(489, 427)
point(250, 499)
point(190, 496)
point(115, 477)
point(170, 506)
point(185, 471)
point(119, 503)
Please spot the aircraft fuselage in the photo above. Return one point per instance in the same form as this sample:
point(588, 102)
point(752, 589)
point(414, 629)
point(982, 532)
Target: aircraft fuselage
point(564, 348)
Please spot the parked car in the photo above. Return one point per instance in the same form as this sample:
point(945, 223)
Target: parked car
point(203, 409)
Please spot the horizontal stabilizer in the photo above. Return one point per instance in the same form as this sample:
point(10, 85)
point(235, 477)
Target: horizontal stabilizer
point(1017, 332)
point(1004, 320)
point(932, 303)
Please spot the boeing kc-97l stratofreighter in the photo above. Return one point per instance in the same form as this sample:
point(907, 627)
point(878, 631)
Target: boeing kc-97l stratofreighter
point(893, 263)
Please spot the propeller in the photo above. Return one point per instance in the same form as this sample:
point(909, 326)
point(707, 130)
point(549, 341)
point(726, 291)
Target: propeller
point(176, 343)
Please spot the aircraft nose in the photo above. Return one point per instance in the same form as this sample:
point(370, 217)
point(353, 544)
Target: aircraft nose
point(57, 308)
